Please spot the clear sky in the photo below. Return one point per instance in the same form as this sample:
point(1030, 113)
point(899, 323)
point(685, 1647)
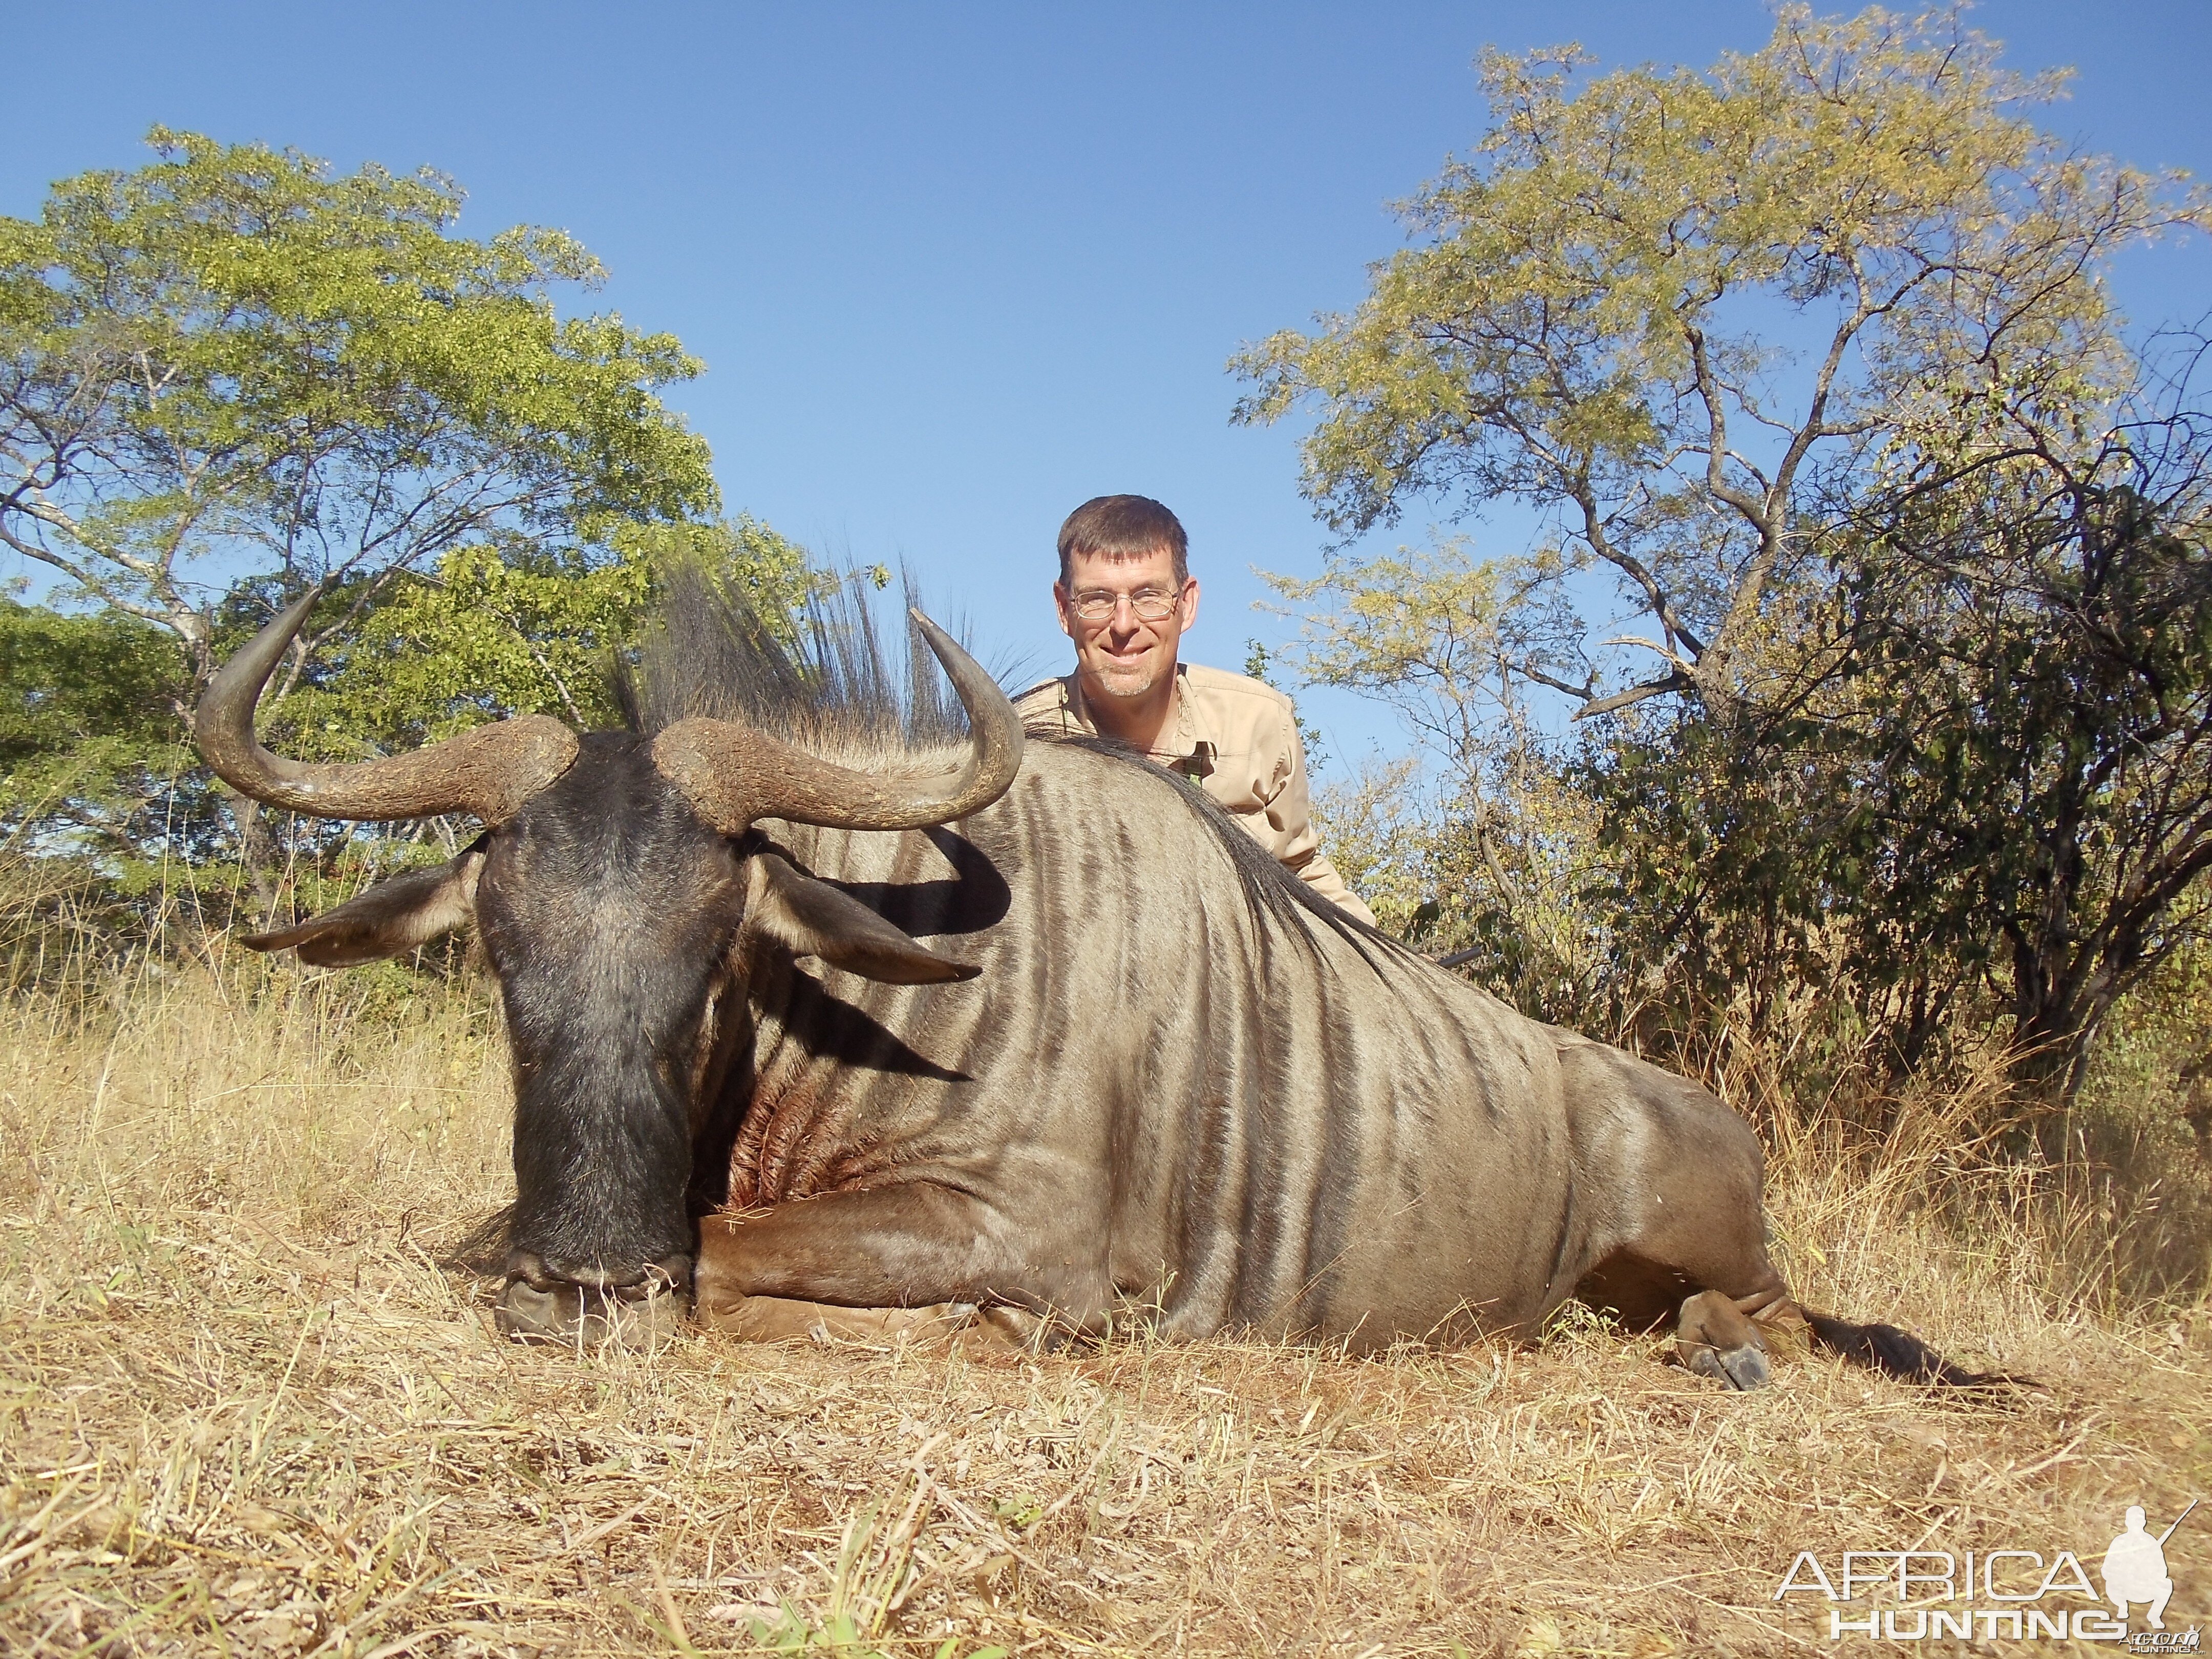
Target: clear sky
point(955, 269)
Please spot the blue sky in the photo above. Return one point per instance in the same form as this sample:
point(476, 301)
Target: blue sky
point(955, 269)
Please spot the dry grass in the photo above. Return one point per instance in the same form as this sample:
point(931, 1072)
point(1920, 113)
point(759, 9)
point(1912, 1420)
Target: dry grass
point(243, 1411)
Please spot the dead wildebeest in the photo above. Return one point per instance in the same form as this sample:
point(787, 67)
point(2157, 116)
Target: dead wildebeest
point(1160, 1075)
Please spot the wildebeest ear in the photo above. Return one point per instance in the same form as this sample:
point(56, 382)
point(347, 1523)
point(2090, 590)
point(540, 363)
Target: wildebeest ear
point(811, 918)
point(389, 919)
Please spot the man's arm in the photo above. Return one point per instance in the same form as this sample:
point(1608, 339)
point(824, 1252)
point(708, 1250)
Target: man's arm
point(1293, 839)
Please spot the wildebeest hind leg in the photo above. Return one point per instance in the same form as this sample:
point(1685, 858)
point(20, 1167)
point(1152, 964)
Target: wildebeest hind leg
point(1720, 1303)
point(1716, 1339)
point(1676, 1212)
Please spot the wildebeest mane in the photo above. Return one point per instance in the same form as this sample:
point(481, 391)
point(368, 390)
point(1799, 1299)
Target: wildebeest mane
point(823, 681)
point(1268, 887)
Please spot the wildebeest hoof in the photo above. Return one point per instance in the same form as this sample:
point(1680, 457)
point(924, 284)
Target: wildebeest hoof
point(1714, 1339)
point(1740, 1368)
point(539, 1307)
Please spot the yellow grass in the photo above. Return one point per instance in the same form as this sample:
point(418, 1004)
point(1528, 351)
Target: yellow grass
point(243, 1411)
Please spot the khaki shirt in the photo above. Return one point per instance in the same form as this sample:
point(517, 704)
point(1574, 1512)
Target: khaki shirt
point(1237, 739)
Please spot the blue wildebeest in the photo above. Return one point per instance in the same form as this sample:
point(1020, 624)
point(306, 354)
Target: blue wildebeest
point(1136, 1065)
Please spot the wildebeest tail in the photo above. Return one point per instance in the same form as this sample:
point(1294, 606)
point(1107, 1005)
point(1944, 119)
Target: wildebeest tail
point(482, 1250)
point(1895, 1353)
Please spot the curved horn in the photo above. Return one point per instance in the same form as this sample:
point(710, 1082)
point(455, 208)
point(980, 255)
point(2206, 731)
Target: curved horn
point(490, 771)
point(732, 775)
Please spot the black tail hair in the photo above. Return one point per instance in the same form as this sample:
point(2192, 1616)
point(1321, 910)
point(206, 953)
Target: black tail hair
point(1897, 1354)
point(481, 1249)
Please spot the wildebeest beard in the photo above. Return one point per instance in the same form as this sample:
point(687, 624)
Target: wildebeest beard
point(605, 909)
point(798, 1015)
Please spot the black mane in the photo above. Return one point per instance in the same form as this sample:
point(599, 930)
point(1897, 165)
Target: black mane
point(826, 684)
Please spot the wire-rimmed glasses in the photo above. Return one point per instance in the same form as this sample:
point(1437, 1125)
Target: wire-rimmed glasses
point(1150, 605)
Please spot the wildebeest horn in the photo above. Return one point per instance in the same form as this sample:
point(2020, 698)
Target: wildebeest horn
point(732, 775)
point(490, 771)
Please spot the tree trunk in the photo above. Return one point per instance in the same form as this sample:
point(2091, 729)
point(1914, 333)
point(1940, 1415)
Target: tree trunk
point(2059, 1008)
point(258, 856)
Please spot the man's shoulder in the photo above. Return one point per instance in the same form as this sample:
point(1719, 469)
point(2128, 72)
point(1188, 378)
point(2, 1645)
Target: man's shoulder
point(1044, 696)
point(1219, 682)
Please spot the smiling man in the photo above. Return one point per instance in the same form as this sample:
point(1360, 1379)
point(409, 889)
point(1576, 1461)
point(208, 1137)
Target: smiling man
point(1126, 597)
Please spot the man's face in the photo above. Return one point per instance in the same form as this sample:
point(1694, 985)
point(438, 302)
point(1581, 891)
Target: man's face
point(1119, 653)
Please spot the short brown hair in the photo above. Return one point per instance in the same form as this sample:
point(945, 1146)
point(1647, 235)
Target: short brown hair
point(1123, 527)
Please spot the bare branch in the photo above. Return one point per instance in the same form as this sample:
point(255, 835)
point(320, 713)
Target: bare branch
point(1634, 693)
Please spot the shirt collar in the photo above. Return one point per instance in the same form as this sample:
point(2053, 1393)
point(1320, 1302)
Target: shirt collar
point(1190, 746)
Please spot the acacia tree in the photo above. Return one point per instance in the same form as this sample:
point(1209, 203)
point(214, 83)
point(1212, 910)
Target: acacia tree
point(1929, 589)
point(1586, 323)
point(232, 361)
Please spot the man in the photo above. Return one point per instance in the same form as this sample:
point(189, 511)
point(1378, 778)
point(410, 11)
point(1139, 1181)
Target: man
point(1126, 597)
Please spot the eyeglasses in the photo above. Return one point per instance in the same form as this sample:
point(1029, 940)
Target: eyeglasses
point(1152, 604)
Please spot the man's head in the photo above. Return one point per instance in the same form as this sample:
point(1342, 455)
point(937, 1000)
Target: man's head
point(1122, 557)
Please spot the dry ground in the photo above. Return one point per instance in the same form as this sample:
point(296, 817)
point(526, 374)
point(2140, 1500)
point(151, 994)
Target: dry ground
point(242, 1410)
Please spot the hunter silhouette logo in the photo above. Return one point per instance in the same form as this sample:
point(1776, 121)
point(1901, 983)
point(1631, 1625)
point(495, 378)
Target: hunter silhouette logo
point(2134, 1569)
point(2023, 1596)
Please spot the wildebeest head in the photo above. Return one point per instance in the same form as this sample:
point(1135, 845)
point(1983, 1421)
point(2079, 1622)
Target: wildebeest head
point(620, 893)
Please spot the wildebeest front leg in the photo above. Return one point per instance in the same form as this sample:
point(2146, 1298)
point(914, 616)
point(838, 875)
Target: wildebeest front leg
point(912, 1247)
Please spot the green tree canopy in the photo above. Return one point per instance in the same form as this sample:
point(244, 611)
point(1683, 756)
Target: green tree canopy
point(494, 632)
point(1587, 322)
point(232, 361)
point(89, 734)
